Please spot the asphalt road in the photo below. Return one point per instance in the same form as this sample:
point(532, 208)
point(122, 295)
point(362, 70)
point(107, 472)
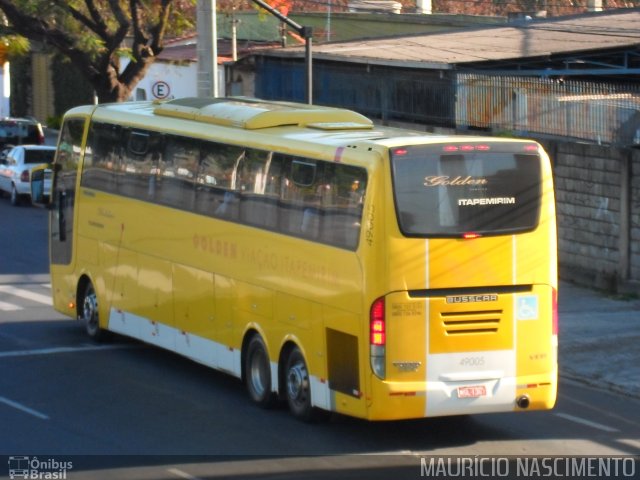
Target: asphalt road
point(126, 410)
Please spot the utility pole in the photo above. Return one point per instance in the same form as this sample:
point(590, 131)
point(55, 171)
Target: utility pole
point(234, 35)
point(207, 48)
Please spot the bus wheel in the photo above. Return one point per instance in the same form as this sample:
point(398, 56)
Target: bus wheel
point(257, 373)
point(299, 387)
point(88, 314)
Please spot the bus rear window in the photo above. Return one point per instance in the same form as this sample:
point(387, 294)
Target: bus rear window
point(454, 190)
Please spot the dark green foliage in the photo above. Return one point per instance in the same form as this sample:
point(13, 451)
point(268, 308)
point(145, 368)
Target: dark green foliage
point(71, 87)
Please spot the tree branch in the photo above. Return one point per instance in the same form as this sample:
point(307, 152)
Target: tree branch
point(99, 28)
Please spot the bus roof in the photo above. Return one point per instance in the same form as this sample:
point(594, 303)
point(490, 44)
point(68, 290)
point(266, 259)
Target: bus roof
point(252, 114)
point(309, 124)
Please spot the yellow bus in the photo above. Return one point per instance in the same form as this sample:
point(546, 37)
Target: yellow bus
point(327, 262)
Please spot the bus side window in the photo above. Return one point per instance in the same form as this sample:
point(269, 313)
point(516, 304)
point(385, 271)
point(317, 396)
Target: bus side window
point(209, 191)
point(343, 217)
point(141, 170)
point(180, 157)
point(217, 194)
point(257, 207)
point(102, 157)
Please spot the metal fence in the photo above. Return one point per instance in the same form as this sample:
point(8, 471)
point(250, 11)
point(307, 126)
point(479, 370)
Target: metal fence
point(600, 112)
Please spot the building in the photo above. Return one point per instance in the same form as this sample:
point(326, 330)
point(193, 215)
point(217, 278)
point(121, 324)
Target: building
point(488, 78)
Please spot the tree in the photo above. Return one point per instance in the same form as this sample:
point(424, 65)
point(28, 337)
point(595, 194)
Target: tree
point(95, 35)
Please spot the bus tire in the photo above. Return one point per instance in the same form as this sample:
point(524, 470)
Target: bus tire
point(89, 316)
point(298, 388)
point(257, 373)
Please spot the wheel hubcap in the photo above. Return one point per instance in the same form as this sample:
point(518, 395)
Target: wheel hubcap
point(89, 311)
point(297, 382)
point(257, 374)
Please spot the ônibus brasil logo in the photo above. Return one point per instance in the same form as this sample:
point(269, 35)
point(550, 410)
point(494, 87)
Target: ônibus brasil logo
point(35, 468)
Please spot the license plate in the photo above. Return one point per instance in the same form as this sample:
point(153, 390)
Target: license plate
point(474, 391)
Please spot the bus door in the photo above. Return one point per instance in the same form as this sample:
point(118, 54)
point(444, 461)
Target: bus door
point(63, 191)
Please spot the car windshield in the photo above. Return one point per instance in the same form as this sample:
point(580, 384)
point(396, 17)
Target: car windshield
point(39, 156)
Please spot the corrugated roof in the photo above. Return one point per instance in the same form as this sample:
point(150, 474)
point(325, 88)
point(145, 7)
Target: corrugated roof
point(530, 39)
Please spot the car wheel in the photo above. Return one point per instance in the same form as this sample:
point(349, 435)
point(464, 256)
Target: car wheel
point(15, 197)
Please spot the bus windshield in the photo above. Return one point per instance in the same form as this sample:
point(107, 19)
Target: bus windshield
point(456, 189)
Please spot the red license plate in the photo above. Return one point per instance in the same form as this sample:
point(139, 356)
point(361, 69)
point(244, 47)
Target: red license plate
point(474, 391)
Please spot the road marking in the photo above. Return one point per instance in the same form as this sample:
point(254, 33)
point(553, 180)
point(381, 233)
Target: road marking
point(9, 307)
point(182, 474)
point(19, 406)
point(586, 422)
point(630, 442)
point(49, 351)
point(22, 293)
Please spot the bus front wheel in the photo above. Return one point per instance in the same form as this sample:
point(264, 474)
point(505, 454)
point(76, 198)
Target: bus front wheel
point(89, 316)
point(257, 373)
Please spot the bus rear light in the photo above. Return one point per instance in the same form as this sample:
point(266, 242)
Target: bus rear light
point(398, 152)
point(470, 235)
point(483, 147)
point(554, 312)
point(530, 148)
point(377, 333)
point(377, 325)
point(378, 337)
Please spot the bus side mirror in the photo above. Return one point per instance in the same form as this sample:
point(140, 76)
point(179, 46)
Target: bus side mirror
point(41, 186)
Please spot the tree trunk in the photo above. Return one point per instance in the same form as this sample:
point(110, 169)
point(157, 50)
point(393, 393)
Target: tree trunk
point(113, 86)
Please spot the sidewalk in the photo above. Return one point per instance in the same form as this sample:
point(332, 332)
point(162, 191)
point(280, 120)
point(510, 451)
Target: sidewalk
point(599, 339)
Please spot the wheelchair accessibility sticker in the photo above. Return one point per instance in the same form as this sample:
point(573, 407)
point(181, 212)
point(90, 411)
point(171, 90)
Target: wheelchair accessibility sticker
point(527, 307)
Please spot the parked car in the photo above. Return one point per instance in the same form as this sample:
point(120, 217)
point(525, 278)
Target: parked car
point(15, 170)
point(20, 131)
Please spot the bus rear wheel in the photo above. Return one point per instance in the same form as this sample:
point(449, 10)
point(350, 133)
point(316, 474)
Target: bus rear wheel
point(257, 373)
point(298, 388)
point(89, 316)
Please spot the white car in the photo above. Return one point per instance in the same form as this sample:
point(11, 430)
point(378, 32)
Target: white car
point(15, 169)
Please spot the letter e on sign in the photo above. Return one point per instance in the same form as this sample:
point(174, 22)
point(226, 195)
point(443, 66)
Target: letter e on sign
point(160, 90)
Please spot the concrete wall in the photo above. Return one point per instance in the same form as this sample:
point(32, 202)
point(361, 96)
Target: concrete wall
point(634, 216)
point(598, 205)
point(166, 81)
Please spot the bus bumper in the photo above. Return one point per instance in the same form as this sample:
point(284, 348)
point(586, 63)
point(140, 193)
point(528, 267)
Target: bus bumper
point(404, 400)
